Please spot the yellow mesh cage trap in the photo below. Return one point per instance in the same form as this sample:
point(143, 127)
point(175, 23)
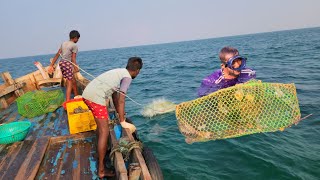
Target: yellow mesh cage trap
point(243, 109)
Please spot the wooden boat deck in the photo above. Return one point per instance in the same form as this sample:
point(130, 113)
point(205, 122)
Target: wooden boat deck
point(49, 149)
point(71, 157)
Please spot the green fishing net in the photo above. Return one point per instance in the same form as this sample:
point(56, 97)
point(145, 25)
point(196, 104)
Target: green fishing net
point(37, 103)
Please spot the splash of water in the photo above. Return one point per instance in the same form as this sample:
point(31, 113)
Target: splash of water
point(158, 106)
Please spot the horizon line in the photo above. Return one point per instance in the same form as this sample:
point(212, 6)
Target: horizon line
point(169, 42)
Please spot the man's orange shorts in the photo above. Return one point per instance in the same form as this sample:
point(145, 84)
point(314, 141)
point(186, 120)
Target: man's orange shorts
point(98, 111)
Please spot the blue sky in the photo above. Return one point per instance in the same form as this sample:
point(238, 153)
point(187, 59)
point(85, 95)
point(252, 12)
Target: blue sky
point(39, 27)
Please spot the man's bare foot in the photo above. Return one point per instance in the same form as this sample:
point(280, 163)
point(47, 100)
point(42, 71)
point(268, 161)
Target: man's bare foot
point(106, 173)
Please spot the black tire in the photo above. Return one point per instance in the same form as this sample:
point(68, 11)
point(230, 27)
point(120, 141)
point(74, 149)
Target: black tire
point(152, 164)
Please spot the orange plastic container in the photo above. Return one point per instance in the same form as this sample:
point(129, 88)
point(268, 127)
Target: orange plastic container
point(79, 122)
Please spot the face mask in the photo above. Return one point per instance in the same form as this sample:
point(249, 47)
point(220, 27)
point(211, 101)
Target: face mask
point(230, 63)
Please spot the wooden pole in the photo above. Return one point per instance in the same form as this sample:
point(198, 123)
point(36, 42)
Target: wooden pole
point(9, 81)
point(134, 171)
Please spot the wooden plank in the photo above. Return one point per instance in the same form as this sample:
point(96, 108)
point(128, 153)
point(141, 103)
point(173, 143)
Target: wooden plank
point(76, 161)
point(4, 104)
point(63, 165)
point(31, 164)
point(59, 161)
point(3, 150)
point(52, 161)
point(138, 156)
point(8, 80)
point(11, 99)
point(15, 159)
point(68, 160)
point(134, 171)
point(37, 76)
point(42, 70)
point(11, 88)
point(63, 154)
point(32, 80)
point(49, 81)
point(121, 171)
point(9, 157)
point(60, 126)
point(9, 113)
point(12, 117)
point(88, 162)
point(40, 126)
point(2, 86)
point(79, 136)
point(76, 167)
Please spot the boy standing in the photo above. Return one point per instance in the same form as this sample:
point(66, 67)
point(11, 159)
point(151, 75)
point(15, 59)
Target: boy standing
point(233, 71)
point(68, 53)
point(113, 83)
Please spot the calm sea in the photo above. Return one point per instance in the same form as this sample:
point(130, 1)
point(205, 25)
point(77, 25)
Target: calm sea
point(174, 71)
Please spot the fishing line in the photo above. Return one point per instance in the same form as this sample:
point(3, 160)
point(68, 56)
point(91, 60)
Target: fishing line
point(142, 105)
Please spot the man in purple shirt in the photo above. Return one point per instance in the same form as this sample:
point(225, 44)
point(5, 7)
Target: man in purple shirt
point(233, 71)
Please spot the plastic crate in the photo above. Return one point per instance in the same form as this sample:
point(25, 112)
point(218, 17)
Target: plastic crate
point(79, 122)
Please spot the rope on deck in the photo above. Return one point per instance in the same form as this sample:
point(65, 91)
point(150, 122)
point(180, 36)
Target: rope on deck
point(125, 147)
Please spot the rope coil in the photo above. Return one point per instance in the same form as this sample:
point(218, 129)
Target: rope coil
point(125, 147)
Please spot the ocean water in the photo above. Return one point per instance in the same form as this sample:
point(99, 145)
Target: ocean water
point(174, 71)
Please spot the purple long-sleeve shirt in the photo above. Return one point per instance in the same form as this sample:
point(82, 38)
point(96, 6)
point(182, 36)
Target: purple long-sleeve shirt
point(216, 81)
